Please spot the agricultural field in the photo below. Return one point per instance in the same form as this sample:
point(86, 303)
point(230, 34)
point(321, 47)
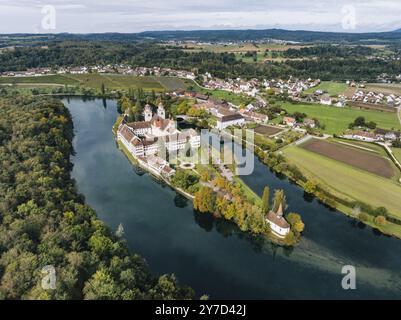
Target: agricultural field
point(371, 106)
point(220, 94)
point(346, 181)
point(358, 158)
point(337, 120)
point(267, 130)
point(95, 81)
point(331, 87)
point(118, 82)
point(386, 88)
point(42, 80)
point(171, 83)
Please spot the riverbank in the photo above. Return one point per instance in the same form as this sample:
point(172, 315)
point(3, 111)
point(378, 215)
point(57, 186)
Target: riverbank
point(162, 226)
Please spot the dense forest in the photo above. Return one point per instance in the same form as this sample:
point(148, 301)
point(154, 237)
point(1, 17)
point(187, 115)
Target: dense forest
point(43, 221)
point(330, 51)
point(324, 62)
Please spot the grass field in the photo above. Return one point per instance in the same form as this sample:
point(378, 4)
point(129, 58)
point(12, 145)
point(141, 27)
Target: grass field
point(52, 79)
point(346, 181)
point(95, 81)
point(332, 88)
point(337, 120)
point(248, 192)
point(116, 82)
point(397, 153)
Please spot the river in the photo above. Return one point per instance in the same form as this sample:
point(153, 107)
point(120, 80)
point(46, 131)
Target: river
point(213, 256)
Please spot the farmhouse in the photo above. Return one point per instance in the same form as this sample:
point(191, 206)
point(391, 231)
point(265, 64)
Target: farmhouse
point(277, 222)
point(363, 136)
point(290, 121)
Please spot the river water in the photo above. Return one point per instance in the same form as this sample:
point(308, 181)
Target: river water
point(213, 256)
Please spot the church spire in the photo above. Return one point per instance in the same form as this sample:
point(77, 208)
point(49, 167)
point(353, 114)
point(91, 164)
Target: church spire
point(280, 210)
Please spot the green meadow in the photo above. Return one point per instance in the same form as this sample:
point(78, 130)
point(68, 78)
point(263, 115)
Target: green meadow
point(337, 120)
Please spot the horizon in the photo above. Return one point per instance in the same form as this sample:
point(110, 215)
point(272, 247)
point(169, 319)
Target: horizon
point(196, 30)
point(136, 16)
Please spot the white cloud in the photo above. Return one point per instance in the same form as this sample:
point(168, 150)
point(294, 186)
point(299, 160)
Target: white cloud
point(139, 15)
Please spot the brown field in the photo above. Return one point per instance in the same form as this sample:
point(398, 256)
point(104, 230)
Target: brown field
point(385, 88)
point(357, 158)
point(267, 130)
point(370, 106)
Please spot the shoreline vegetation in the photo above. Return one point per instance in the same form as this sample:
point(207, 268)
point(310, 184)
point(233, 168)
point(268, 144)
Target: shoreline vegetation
point(44, 221)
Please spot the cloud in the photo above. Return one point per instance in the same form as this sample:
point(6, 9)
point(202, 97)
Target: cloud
point(139, 15)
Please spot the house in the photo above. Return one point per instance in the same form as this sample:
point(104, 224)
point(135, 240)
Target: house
point(326, 100)
point(289, 121)
point(233, 119)
point(388, 135)
point(363, 136)
point(310, 123)
point(278, 225)
point(254, 116)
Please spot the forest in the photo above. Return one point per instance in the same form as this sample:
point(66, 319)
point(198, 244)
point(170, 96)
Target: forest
point(45, 222)
point(324, 62)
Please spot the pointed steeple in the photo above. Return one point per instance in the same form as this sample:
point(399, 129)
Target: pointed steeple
point(280, 210)
point(148, 113)
point(161, 112)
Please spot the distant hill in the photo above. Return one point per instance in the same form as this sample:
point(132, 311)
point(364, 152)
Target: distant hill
point(212, 36)
point(279, 34)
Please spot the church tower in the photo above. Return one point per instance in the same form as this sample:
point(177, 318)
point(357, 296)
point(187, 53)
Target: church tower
point(161, 112)
point(148, 113)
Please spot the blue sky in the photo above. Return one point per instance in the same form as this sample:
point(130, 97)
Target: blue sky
point(139, 15)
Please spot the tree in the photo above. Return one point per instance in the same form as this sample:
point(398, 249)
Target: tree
point(266, 200)
point(205, 200)
point(359, 122)
point(103, 90)
point(279, 198)
point(310, 187)
point(397, 143)
point(101, 287)
point(380, 221)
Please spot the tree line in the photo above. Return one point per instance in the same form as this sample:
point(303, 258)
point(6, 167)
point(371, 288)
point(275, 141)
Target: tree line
point(44, 221)
point(328, 63)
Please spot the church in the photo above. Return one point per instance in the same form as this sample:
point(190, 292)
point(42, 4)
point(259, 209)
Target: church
point(147, 138)
point(279, 226)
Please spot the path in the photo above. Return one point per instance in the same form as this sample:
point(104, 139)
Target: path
point(390, 152)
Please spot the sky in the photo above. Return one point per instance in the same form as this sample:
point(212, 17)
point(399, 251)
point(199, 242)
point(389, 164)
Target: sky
point(130, 16)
